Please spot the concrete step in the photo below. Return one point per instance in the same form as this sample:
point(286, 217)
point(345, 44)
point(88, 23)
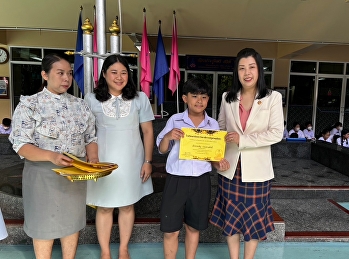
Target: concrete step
point(339, 193)
point(146, 230)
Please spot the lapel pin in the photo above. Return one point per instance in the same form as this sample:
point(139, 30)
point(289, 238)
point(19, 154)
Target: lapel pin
point(259, 102)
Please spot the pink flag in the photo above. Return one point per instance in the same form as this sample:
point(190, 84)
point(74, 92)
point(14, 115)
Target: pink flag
point(175, 75)
point(95, 50)
point(145, 61)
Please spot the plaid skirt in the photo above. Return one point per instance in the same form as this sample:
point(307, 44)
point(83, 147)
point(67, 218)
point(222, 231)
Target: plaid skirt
point(243, 207)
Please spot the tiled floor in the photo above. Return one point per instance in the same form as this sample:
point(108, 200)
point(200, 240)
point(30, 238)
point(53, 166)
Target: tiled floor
point(312, 199)
point(285, 250)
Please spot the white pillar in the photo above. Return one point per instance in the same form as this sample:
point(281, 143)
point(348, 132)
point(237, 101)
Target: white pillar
point(114, 38)
point(88, 64)
point(101, 38)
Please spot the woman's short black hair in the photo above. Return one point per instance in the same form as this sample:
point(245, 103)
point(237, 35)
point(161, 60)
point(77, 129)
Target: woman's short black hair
point(196, 86)
point(237, 86)
point(48, 61)
point(102, 90)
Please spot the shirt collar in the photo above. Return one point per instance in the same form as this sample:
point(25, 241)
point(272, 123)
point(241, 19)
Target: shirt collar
point(187, 120)
point(52, 95)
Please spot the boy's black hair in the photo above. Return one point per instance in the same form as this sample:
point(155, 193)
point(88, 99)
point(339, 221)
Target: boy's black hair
point(294, 135)
point(196, 86)
point(325, 130)
point(6, 122)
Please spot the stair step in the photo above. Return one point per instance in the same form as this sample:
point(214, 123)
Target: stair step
point(146, 230)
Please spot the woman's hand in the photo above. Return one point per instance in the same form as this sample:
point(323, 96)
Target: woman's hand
point(146, 170)
point(232, 137)
point(222, 165)
point(60, 159)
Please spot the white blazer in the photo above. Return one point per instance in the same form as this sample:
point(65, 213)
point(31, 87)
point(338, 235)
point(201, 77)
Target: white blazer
point(264, 127)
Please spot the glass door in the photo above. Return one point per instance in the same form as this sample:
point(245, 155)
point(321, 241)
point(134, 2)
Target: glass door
point(224, 83)
point(328, 104)
point(346, 106)
point(220, 82)
point(300, 100)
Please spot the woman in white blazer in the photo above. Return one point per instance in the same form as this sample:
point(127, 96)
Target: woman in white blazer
point(253, 117)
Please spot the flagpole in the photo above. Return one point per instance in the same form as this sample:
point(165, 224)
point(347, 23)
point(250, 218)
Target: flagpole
point(160, 70)
point(174, 68)
point(145, 79)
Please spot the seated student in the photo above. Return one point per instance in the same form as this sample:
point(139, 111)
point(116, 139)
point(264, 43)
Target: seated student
point(296, 129)
point(326, 136)
point(285, 135)
point(308, 131)
point(5, 127)
point(336, 128)
point(343, 140)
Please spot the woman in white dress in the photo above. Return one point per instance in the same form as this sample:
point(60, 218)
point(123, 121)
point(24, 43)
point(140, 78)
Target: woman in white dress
point(120, 112)
point(3, 231)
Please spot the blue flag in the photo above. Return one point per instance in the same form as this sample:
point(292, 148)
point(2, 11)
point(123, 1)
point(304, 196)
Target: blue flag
point(79, 60)
point(160, 70)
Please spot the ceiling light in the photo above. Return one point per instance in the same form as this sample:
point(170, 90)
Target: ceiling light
point(138, 45)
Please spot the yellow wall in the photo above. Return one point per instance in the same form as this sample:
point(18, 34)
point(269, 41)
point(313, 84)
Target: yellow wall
point(282, 53)
point(5, 104)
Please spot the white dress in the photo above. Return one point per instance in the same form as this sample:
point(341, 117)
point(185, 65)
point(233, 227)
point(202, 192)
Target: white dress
point(119, 141)
point(3, 231)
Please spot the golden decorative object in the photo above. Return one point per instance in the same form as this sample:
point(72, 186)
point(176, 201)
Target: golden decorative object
point(114, 28)
point(87, 26)
point(68, 52)
point(82, 171)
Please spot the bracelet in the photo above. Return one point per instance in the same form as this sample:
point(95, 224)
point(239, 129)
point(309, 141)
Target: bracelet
point(148, 161)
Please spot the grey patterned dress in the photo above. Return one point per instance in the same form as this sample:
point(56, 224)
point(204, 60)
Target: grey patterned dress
point(53, 206)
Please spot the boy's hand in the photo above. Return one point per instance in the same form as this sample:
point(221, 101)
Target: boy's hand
point(175, 134)
point(222, 165)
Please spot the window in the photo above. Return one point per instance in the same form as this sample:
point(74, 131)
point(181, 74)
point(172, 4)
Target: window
point(331, 68)
point(303, 67)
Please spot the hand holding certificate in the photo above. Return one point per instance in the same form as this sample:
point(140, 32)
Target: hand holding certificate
point(202, 144)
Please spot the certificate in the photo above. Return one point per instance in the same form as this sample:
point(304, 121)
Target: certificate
point(202, 144)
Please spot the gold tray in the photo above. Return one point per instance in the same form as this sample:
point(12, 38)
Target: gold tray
point(82, 171)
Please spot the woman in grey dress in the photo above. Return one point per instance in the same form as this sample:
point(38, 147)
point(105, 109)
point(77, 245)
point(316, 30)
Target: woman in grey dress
point(44, 126)
point(120, 113)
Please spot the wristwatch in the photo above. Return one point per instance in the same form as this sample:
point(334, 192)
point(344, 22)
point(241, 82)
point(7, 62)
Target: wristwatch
point(148, 161)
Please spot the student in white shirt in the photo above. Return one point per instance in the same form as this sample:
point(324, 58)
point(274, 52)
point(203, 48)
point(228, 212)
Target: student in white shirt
point(326, 136)
point(308, 131)
point(296, 129)
point(344, 139)
point(336, 128)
